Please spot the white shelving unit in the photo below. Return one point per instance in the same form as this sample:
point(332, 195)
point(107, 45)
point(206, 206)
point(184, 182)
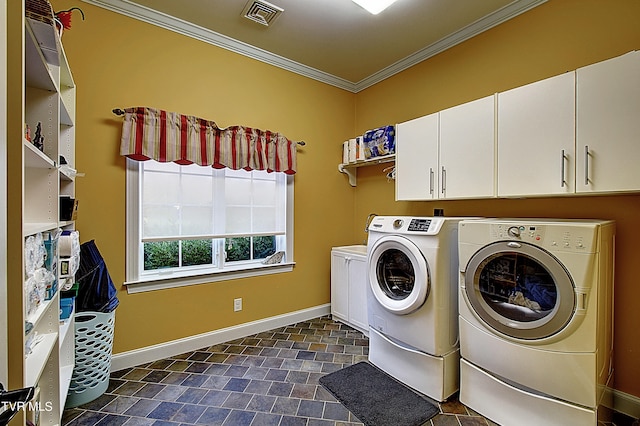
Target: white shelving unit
point(47, 100)
point(350, 169)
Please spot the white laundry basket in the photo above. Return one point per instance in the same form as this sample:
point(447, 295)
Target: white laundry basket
point(93, 344)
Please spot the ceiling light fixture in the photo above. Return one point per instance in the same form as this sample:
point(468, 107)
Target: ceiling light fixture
point(374, 6)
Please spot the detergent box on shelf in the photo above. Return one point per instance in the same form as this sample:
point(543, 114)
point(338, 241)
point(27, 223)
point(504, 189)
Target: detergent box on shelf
point(379, 142)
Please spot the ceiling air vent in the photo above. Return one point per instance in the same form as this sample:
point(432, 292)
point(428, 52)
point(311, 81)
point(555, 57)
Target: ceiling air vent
point(261, 12)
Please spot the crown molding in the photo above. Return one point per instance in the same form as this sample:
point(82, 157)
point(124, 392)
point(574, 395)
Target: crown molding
point(485, 23)
point(144, 14)
point(150, 16)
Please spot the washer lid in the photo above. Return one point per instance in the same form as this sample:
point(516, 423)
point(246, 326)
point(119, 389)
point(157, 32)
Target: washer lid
point(520, 290)
point(398, 274)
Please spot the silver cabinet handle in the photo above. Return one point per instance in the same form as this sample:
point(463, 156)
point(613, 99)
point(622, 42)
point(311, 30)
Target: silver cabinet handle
point(562, 179)
point(431, 181)
point(586, 164)
point(444, 180)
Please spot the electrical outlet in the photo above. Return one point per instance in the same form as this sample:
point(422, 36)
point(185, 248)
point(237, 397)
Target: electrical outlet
point(237, 304)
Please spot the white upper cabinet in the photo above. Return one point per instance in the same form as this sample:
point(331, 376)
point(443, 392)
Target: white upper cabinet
point(417, 159)
point(536, 138)
point(467, 154)
point(608, 125)
point(575, 133)
point(449, 154)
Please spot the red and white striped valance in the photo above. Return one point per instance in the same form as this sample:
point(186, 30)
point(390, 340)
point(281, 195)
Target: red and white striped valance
point(152, 134)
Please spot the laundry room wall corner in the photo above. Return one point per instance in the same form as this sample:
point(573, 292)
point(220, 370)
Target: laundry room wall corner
point(548, 40)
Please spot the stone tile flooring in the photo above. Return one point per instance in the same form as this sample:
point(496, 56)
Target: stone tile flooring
point(269, 378)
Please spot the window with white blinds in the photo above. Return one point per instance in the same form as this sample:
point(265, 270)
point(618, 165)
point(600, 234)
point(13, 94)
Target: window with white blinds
point(188, 221)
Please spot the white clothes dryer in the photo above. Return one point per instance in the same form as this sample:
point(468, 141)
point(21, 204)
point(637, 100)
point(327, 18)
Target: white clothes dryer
point(412, 301)
point(536, 319)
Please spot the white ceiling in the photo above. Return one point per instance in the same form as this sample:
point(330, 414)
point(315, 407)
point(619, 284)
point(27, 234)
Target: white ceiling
point(334, 41)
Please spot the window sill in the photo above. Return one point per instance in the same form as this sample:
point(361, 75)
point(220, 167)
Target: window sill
point(164, 282)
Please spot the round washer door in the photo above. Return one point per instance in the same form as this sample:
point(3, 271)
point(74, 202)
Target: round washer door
point(520, 290)
point(398, 275)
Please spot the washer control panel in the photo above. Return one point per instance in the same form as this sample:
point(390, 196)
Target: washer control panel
point(419, 225)
point(409, 225)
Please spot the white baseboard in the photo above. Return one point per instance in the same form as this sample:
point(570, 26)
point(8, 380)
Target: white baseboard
point(135, 357)
point(626, 404)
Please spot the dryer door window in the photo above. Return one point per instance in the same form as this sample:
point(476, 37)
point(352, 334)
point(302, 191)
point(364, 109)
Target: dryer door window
point(398, 275)
point(521, 291)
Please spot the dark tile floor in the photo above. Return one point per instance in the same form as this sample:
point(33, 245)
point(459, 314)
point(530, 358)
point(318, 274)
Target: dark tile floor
point(270, 378)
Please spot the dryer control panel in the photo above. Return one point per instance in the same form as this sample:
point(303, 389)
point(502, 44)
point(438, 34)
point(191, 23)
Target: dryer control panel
point(531, 233)
point(571, 237)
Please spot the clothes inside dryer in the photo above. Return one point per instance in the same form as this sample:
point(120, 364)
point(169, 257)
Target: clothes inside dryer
point(517, 287)
point(520, 290)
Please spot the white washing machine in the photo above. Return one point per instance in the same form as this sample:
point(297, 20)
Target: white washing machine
point(536, 320)
point(412, 301)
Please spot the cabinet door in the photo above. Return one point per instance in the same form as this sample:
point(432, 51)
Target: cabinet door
point(417, 159)
point(536, 138)
point(608, 125)
point(339, 286)
point(467, 155)
point(358, 293)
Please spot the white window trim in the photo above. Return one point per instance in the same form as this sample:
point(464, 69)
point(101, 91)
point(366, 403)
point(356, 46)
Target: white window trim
point(137, 284)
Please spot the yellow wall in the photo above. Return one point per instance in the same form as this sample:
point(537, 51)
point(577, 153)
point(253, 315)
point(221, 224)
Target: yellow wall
point(558, 36)
point(120, 62)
